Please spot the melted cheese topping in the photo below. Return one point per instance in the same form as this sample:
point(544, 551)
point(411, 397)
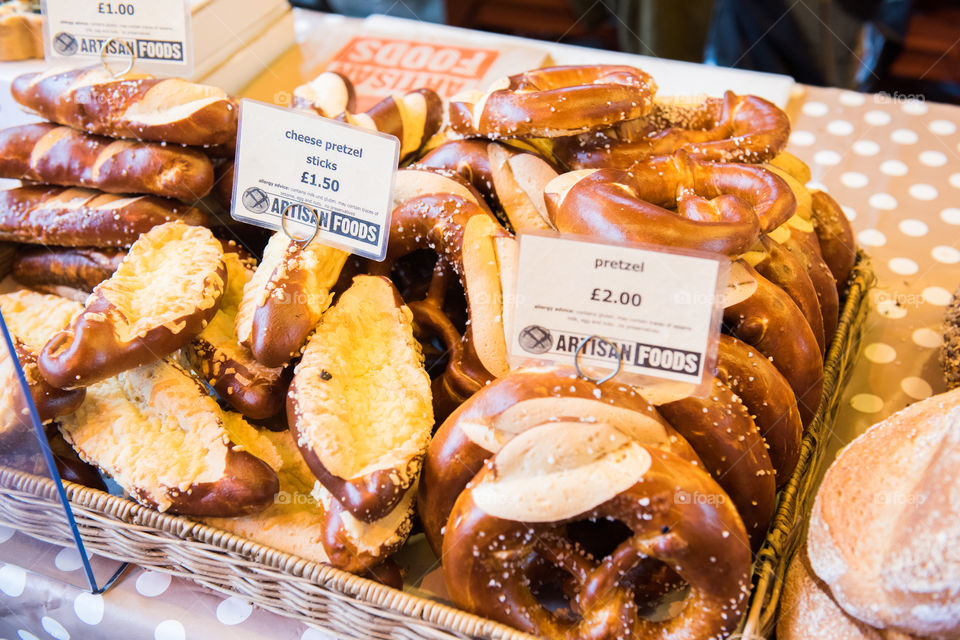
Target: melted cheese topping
point(34, 317)
point(153, 429)
point(363, 396)
point(169, 274)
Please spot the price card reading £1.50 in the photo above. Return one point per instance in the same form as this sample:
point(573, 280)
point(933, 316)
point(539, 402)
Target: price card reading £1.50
point(156, 34)
point(317, 179)
point(656, 310)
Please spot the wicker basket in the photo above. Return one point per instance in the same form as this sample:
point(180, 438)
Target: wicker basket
point(354, 607)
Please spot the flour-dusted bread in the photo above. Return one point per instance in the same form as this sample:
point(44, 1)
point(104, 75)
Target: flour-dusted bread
point(166, 442)
point(164, 293)
point(808, 611)
point(885, 527)
point(360, 402)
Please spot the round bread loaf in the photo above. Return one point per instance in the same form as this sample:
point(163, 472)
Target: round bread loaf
point(885, 529)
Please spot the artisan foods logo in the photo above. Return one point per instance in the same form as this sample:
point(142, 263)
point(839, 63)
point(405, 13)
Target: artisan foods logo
point(255, 200)
point(65, 44)
point(536, 339)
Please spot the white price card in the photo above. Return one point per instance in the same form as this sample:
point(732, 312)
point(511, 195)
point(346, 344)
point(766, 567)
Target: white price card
point(155, 34)
point(658, 310)
point(315, 178)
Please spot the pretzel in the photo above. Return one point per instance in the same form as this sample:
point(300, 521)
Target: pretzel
point(729, 129)
point(285, 298)
point(21, 32)
point(798, 237)
point(297, 521)
point(135, 105)
point(359, 404)
point(69, 465)
point(763, 316)
point(554, 101)
point(78, 269)
point(155, 303)
point(254, 390)
point(509, 180)
point(768, 398)
point(837, 243)
point(328, 95)
point(432, 211)
point(509, 406)
point(782, 268)
point(513, 525)
point(413, 118)
point(721, 431)
point(157, 433)
point(85, 218)
point(32, 318)
point(609, 205)
point(56, 155)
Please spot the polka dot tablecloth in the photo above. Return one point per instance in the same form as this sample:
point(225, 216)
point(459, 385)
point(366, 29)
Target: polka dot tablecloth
point(893, 164)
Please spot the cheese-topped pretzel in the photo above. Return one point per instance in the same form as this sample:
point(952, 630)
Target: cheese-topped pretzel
point(730, 129)
point(163, 294)
point(360, 403)
point(554, 101)
point(45, 152)
point(762, 315)
point(254, 390)
point(509, 406)
point(509, 538)
point(509, 180)
point(286, 296)
point(135, 105)
point(156, 432)
point(609, 205)
point(32, 318)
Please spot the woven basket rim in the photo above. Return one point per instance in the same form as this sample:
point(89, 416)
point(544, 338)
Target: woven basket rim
point(447, 617)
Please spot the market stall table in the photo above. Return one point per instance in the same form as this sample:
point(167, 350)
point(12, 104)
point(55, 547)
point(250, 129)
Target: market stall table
point(891, 163)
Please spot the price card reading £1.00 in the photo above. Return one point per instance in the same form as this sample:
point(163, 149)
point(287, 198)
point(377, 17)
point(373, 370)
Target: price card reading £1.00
point(317, 179)
point(656, 310)
point(156, 34)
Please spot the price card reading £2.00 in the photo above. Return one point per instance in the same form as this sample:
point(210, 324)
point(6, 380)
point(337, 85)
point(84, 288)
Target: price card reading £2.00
point(317, 179)
point(156, 34)
point(660, 309)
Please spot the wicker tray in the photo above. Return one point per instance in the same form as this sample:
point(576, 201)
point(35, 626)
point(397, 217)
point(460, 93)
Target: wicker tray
point(354, 607)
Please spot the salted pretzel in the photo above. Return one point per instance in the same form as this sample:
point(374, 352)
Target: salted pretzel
point(254, 390)
point(328, 95)
point(413, 118)
point(285, 298)
point(433, 211)
point(72, 272)
point(769, 399)
point(554, 101)
point(510, 181)
point(509, 406)
point(135, 105)
point(730, 129)
point(609, 205)
point(57, 155)
point(721, 431)
point(509, 538)
point(155, 303)
point(760, 314)
point(838, 246)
